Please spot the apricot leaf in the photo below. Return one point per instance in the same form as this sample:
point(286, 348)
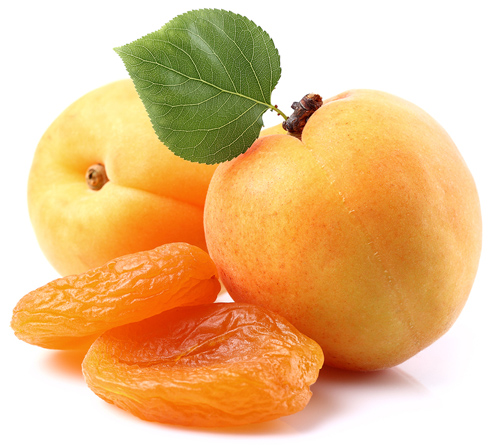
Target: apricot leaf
point(205, 79)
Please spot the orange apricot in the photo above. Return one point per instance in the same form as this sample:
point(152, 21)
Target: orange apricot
point(221, 364)
point(72, 311)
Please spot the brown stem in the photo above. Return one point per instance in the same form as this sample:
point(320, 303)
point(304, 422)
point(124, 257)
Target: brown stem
point(96, 176)
point(302, 111)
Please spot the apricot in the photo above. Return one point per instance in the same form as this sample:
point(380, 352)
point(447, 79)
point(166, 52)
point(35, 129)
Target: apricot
point(273, 130)
point(72, 311)
point(221, 364)
point(102, 185)
point(365, 233)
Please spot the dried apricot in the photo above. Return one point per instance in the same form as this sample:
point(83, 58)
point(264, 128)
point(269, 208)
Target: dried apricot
point(74, 310)
point(221, 364)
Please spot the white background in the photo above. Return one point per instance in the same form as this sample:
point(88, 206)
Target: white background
point(441, 55)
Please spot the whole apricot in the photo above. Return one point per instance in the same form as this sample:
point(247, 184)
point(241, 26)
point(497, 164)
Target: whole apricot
point(365, 233)
point(102, 185)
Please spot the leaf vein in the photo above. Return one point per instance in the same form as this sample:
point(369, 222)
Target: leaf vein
point(190, 78)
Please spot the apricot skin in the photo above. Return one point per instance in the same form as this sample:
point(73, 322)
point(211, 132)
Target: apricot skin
point(365, 235)
point(152, 198)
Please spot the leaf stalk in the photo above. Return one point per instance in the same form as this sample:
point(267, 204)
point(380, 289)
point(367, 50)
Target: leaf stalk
point(279, 112)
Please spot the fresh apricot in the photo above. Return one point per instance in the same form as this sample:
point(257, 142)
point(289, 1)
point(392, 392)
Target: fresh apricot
point(365, 232)
point(103, 185)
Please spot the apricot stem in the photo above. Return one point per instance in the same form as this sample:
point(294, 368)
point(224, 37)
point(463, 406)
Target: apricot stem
point(96, 176)
point(302, 111)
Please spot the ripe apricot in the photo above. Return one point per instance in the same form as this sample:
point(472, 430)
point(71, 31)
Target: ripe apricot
point(221, 364)
point(365, 233)
point(72, 311)
point(151, 197)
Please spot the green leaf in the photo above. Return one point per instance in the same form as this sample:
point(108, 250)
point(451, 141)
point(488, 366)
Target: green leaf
point(205, 79)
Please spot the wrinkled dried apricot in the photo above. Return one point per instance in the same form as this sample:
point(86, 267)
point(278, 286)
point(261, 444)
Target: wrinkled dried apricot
point(222, 364)
point(73, 310)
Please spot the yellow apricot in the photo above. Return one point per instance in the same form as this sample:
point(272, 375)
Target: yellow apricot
point(152, 197)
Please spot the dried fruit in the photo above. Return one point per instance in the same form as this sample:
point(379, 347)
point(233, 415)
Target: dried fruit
point(222, 364)
point(73, 310)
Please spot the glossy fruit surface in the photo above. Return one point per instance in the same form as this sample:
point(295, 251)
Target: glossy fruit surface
point(365, 234)
point(72, 311)
point(222, 364)
point(152, 197)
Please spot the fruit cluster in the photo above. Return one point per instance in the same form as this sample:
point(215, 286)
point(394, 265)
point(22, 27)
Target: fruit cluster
point(352, 240)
